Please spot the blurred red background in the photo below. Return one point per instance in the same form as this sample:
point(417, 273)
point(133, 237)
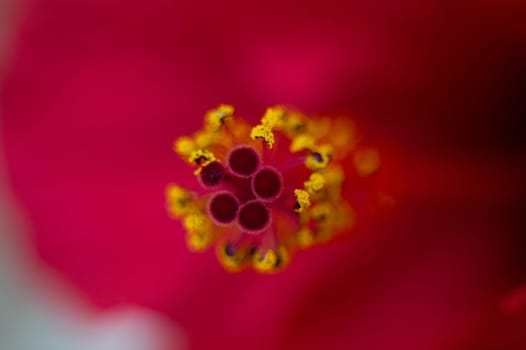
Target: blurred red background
point(97, 91)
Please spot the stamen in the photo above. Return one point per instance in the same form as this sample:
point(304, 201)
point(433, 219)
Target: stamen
point(203, 139)
point(322, 212)
point(231, 258)
point(319, 158)
point(293, 124)
point(315, 183)
point(305, 237)
point(243, 160)
point(366, 161)
point(302, 200)
point(179, 201)
point(253, 217)
point(266, 261)
point(301, 142)
point(211, 174)
point(199, 240)
point(223, 207)
point(184, 146)
point(201, 157)
point(196, 222)
point(263, 132)
point(267, 184)
point(271, 260)
point(214, 118)
point(273, 116)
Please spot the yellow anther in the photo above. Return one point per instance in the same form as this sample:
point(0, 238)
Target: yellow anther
point(319, 158)
point(184, 146)
point(214, 118)
point(315, 183)
point(334, 176)
point(322, 212)
point(265, 261)
point(197, 222)
point(200, 240)
point(343, 136)
point(225, 110)
point(273, 116)
point(305, 237)
point(319, 127)
point(293, 124)
point(232, 262)
point(179, 200)
point(366, 161)
point(302, 200)
point(301, 142)
point(175, 193)
point(201, 157)
point(263, 132)
point(270, 260)
point(204, 139)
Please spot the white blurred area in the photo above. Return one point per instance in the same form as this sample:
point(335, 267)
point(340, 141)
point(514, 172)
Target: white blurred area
point(38, 310)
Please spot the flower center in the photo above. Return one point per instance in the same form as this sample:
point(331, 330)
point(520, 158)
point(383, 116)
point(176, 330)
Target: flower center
point(243, 160)
point(211, 174)
point(223, 207)
point(267, 184)
point(253, 217)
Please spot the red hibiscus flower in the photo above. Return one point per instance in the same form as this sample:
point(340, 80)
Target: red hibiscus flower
point(98, 90)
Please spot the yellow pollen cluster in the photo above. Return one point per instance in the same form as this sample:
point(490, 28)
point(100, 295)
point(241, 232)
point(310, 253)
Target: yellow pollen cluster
point(305, 237)
point(214, 118)
point(199, 231)
point(272, 119)
point(273, 116)
point(201, 157)
point(264, 132)
point(319, 157)
point(270, 260)
point(315, 183)
point(302, 200)
point(302, 142)
point(179, 201)
point(265, 261)
point(234, 262)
